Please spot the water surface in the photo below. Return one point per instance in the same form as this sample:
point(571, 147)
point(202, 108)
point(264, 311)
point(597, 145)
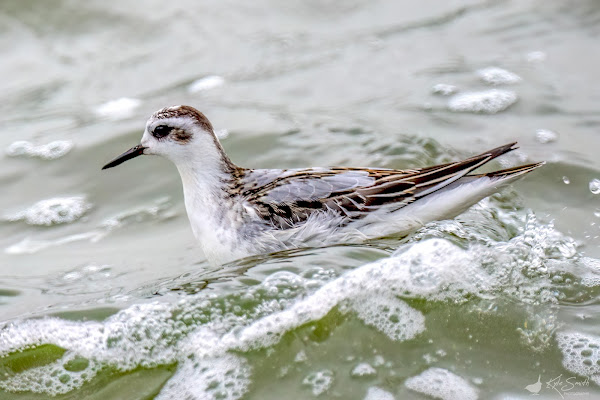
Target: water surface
point(105, 294)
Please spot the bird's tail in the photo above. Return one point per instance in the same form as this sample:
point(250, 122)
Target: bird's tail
point(511, 173)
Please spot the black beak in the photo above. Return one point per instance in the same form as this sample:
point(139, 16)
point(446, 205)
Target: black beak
point(128, 155)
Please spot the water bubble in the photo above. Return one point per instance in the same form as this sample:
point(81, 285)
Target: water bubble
point(300, 357)
point(442, 384)
point(498, 76)
point(363, 370)
point(319, 381)
point(545, 136)
point(50, 151)
point(444, 89)
point(57, 210)
point(566, 180)
point(595, 186)
point(487, 101)
point(375, 393)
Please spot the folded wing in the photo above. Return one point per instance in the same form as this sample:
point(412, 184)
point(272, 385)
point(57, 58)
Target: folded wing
point(289, 197)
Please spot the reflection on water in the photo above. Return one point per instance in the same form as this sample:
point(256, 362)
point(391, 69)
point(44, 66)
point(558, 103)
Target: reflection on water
point(104, 293)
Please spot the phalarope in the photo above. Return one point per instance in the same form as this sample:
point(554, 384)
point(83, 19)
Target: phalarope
point(236, 212)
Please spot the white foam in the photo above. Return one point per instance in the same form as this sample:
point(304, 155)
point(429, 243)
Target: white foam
point(488, 101)
point(444, 89)
point(378, 361)
point(590, 275)
point(595, 186)
point(544, 136)
point(300, 357)
point(57, 210)
point(581, 353)
point(375, 393)
point(401, 274)
point(391, 316)
point(498, 76)
point(117, 109)
point(319, 381)
point(226, 377)
point(206, 83)
point(363, 370)
point(56, 376)
point(50, 151)
point(442, 384)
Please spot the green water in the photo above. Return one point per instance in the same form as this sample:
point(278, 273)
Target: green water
point(119, 303)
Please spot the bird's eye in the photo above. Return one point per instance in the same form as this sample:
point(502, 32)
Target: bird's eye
point(161, 131)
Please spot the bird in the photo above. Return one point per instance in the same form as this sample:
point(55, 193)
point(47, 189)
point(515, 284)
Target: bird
point(237, 212)
point(535, 388)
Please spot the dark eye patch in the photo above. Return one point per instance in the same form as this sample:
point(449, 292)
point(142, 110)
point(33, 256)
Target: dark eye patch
point(161, 131)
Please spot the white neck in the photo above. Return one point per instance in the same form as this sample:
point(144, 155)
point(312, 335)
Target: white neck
point(205, 171)
point(203, 188)
point(211, 212)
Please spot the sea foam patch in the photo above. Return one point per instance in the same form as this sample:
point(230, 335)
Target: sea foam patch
point(486, 102)
point(498, 76)
point(363, 370)
point(53, 211)
point(375, 393)
point(225, 378)
point(49, 151)
point(442, 384)
point(153, 334)
point(390, 316)
point(444, 89)
point(581, 353)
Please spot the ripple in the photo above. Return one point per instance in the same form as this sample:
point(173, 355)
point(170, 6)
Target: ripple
point(160, 211)
point(118, 109)
point(206, 83)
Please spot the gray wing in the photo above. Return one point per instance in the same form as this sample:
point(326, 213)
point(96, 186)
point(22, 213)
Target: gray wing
point(319, 184)
point(285, 198)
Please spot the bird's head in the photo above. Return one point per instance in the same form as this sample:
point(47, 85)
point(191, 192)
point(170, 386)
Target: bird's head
point(180, 133)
